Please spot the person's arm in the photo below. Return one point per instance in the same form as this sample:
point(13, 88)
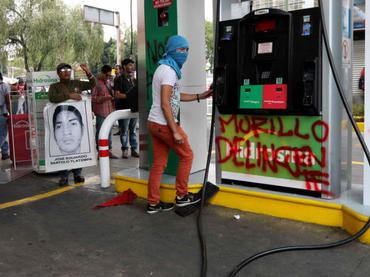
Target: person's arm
point(193, 97)
point(98, 97)
point(117, 89)
point(92, 82)
point(119, 95)
point(7, 102)
point(166, 91)
point(58, 95)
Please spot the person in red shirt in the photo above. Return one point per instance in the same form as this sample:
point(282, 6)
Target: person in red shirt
point(361, 83)
point(103, 103)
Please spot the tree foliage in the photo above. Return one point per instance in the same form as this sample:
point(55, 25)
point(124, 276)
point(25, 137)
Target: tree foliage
point(46, 32)
point(109, 55)
point(209, 42)
point(127, 52)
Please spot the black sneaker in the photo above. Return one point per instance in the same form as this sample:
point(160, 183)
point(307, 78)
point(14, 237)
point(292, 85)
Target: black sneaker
point(5, 157)
point(161, 206)
point(63, 182)
point(188, 199)
point(79, 179)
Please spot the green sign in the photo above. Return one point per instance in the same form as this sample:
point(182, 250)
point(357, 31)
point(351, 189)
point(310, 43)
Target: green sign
point(42, 95)
point(44, 78)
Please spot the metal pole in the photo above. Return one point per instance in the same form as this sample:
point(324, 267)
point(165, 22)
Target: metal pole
point(104, 146)
point(118, 39)
point(366, 193)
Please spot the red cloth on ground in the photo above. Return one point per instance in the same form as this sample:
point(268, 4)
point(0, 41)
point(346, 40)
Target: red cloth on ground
point(127, 197)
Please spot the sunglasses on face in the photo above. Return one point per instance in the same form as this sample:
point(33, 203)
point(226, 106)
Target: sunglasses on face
point(65, 70)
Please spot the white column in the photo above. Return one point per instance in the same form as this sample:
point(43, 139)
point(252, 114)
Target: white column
point(193, 115)
point(366, 195)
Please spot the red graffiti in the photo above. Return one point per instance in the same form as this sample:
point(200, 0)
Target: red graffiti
point(297, 161)
point(155, 51)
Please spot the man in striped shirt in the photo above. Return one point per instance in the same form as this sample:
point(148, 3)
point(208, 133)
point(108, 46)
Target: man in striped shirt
point(103, 103)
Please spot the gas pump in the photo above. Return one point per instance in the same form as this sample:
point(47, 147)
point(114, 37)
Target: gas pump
point(260, 69)
point(273, 129)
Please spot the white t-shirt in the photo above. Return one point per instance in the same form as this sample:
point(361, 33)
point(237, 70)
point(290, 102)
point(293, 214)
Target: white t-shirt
point(164, 75)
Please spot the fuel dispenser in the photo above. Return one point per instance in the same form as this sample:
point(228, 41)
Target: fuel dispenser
point(275, 123)
point(269, 62)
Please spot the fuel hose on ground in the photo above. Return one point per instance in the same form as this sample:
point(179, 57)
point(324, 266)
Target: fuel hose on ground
point(364, 147)
point(202, 241)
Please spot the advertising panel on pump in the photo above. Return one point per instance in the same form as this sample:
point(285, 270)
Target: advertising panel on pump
point(69, 139)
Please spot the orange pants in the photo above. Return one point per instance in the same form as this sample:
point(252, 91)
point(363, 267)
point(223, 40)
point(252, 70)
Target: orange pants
point(162, 141)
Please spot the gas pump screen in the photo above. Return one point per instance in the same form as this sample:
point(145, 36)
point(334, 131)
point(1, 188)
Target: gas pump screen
point(264, 48)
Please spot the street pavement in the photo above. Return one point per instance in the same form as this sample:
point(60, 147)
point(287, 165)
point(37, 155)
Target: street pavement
point(64, 236)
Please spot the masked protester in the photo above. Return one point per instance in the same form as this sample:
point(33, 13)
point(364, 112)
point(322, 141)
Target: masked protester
point(164, 127)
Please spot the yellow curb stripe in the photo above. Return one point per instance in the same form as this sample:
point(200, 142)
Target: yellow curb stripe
point(360, 126)
point(306, 210)
point(359, 163)
point(46, 195)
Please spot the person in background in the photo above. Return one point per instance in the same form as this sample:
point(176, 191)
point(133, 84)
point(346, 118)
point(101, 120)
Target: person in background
point(124, 84)
point(22, 102)
point(117, 73)
point(361, 81)
point(4, 108)
point(64, 90)
point(14, 96)
point(103, 104)
point(165, 130)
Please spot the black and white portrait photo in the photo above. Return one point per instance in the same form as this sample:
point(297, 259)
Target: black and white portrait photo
point(69, 141)
point(68, 130)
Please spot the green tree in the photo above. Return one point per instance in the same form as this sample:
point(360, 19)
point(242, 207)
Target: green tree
point(37, 29)
point(209, 42)
point(46, 32)
point(4, 30)
point(126, 48)
point(109, 55)
point(85, 41)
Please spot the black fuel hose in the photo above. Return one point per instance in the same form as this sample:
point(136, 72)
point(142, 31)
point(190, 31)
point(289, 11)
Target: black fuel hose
point(364, 147)
point(202, 241)
point(199, 218)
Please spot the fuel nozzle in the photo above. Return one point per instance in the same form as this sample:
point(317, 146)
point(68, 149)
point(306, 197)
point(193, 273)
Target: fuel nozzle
point(308, 79)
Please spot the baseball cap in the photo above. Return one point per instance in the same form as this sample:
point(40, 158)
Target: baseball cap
point(61, 65)
point(13, 81)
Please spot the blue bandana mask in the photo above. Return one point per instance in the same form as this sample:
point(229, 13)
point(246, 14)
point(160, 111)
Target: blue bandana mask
point(173, 57)
point(179, 57)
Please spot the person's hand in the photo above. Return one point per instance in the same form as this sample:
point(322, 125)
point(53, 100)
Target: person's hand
point(109, 98)
point(206, 94)
point(178, 138)
point(75, 96)
point(85, 67)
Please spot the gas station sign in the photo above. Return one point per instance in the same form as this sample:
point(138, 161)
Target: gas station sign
point(161, 3)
